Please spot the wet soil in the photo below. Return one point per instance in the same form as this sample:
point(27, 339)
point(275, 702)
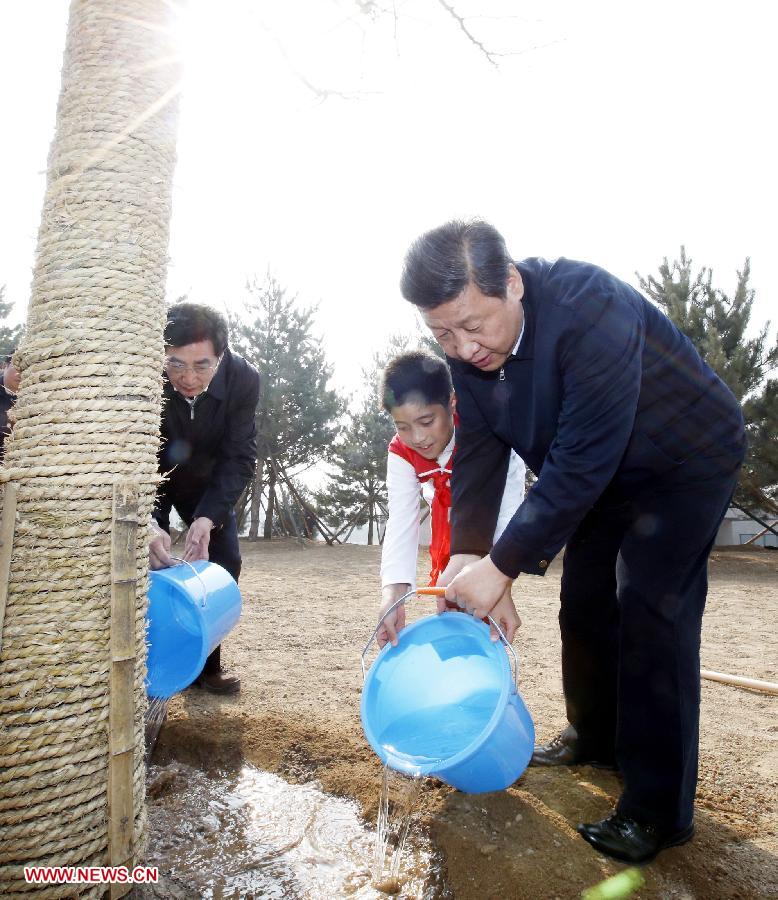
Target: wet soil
point(251, 834)
point(308, 611)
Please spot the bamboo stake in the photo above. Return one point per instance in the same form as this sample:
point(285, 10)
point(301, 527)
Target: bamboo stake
point(122, 709)
point(7, 529)
point(754, 684)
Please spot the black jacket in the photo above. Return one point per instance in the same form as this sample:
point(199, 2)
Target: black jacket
point(7, 400)
point(209, 449)
point(603, 395)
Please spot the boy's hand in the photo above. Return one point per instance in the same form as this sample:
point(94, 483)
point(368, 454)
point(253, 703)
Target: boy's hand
point(395, 621)
point(454, 567)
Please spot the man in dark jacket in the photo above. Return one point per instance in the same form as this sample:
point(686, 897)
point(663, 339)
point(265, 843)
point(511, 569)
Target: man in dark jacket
point(209, 449)
point(636, 445)
point(9, 385)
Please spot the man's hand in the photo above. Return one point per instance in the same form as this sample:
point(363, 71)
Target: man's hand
point(480, 588)
point(505, 615)
point(159, 548)
point(197, 539)
point(395, 621)
point(454, 567)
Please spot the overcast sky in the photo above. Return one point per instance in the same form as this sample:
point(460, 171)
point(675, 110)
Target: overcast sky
point(611, 132)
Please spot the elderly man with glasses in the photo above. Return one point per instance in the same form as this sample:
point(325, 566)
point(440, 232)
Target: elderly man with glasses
point(209, 450)
point(9, 385)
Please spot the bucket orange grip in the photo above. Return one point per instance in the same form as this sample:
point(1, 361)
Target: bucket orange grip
point(440, 592)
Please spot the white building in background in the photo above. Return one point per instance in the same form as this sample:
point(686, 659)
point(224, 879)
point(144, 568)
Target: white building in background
point(737, 528)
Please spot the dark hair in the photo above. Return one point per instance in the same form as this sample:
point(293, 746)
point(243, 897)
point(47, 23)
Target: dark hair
point(441, 263)
point(415, 373)
point(188, 323)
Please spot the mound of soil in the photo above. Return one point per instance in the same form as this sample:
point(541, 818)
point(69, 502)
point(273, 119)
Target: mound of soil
point(308, 611)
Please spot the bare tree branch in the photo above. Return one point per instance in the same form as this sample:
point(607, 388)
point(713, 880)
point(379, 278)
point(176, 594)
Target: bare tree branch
point(491, 56)
point(320, 93)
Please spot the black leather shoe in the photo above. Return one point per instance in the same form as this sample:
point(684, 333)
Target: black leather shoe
point(564, 751)
point(629, 841)
point(218, 682)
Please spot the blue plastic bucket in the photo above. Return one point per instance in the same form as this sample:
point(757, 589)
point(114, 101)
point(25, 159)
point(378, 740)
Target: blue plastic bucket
point(192, 607)
point(444, 703)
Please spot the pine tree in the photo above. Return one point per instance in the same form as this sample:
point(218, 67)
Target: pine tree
point(717, 325)
point(298, 413)
point(758, 486)
point(9, 336)
point(357, 493)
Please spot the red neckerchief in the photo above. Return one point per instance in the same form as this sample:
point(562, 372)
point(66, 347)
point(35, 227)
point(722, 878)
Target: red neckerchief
point(429, 470)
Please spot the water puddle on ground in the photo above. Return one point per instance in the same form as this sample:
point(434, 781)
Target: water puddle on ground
point(249, 833)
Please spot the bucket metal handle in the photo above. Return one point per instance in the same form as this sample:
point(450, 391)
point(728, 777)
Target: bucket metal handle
point(196, 574)
point(438, 592)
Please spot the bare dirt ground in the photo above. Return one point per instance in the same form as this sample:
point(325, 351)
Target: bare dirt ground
point(308, 612)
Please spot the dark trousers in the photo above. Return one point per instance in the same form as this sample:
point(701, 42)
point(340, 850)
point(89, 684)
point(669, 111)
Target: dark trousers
point(224, 550)
point(634, 585)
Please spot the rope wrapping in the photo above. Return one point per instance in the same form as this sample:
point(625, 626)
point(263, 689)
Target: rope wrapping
point(87, 416)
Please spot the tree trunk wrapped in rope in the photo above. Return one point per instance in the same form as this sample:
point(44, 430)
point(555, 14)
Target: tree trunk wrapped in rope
point(87, 419)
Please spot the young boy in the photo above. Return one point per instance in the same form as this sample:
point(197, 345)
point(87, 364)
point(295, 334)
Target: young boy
point(418, 394)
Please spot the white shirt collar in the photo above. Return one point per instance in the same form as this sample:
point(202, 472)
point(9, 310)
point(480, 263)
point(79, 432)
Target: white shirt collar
point(444, 457)
point(521, 335)
point(191, 400)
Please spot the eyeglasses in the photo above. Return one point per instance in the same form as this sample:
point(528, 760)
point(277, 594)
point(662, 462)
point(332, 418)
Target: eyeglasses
point(176, 367)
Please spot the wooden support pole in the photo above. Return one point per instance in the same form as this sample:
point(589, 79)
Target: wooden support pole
point(301, 509)
point(275, 518)
point(753, 684)
point(752, 515)
point(303, 518)
point(290, 517)
point(329, 536)
point(342, 528)
point(121, 761)
point(353, 525)
point(759, 534)
point(7, 529)
point(385, 511)
point(241, 506)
